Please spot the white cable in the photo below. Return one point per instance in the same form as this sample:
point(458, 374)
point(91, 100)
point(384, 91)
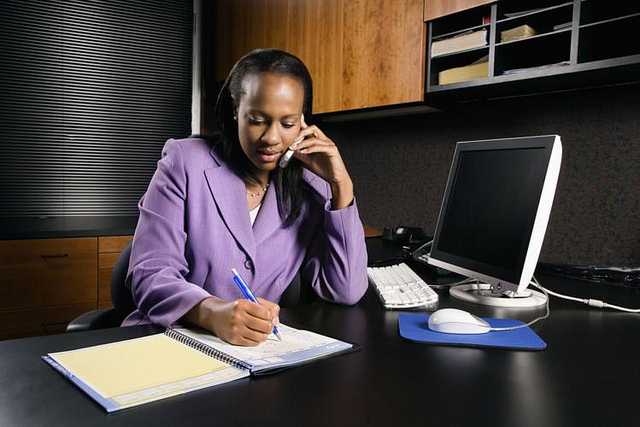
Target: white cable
point(588, 301)
point(537, 319)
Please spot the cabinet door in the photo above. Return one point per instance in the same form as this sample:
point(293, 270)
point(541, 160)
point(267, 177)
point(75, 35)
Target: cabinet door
point(360, 53)
point(46, 283)
point(384, 50)
point(244, 25)
point(109, 248)
point(315, 35)
point(437, 8)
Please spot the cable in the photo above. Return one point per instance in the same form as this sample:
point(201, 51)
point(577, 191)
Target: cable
point(537, 319)
point(588, 301)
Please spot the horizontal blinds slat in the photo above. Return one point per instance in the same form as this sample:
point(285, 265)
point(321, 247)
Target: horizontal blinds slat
point(91, 91)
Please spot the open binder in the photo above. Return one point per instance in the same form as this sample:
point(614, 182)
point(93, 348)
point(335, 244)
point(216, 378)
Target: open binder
point(129, 373)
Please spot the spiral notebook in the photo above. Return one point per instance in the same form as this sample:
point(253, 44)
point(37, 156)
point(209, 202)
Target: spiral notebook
point(128, 373)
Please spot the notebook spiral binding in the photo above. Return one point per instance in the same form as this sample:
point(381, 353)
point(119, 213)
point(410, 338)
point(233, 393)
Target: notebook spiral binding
point(211, 352)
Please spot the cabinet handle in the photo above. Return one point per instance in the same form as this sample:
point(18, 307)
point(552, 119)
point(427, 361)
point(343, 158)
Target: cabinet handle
point(55, 256)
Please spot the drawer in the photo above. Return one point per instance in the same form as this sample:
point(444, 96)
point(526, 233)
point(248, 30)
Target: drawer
point(39, 321)
point(38, 273)
point(109, 244)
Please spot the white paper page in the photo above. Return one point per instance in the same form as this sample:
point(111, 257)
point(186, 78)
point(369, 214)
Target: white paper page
point(270, 351)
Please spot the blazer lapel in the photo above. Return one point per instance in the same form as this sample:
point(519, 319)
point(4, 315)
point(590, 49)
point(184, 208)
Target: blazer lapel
point(228, 192)
point(268, 219)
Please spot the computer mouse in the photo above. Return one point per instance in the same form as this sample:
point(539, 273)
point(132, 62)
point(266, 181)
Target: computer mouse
point(454, 321)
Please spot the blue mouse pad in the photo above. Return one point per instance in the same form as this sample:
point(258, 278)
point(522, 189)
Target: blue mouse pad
point(414, 327)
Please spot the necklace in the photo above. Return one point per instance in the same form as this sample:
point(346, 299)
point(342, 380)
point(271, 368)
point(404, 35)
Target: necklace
point(257, 193)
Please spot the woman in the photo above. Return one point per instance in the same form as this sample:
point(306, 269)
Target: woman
point(213, 207)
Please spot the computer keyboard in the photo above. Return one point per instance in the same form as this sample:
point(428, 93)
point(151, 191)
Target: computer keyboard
point(400, 287)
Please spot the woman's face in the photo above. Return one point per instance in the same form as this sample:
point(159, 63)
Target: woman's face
point(268, 117)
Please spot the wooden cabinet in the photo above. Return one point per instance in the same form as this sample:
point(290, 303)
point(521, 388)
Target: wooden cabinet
point(45, 284)
point(109, 248)
point(437, 8)
point(360, 53)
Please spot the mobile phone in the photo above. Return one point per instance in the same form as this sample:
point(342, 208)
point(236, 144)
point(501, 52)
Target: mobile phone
point(288, 155)
point(286, 158)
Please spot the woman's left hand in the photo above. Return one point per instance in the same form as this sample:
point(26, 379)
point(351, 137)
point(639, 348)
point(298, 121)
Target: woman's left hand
point(320, 155)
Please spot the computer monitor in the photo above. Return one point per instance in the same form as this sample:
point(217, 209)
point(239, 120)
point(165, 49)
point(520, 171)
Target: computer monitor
point(494, 216)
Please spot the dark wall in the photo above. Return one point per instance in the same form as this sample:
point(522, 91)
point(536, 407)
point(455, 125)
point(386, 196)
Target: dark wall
point(400, 166)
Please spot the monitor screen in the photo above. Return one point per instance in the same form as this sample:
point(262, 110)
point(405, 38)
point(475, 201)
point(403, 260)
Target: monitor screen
point(490, 206)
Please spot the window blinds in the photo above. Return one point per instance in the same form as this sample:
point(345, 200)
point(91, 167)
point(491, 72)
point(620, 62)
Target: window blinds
point(90, 92)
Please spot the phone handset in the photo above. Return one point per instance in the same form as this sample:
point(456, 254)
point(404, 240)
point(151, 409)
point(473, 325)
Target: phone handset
point(288, 155)
point(286, 158)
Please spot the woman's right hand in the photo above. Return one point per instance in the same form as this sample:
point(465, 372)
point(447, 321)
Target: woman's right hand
point(239, 322)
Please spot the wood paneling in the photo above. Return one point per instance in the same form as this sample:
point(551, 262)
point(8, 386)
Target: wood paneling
point(47, 283)
point(39, 320)
point(47, 272)
point(39, 275)
point(383, 53)
point(105, 263)
point(109, 249)
point(315, 35)
point(437, 8)
point(243, 25)
point(372, 231)
point(360, 53)
point(109, 244)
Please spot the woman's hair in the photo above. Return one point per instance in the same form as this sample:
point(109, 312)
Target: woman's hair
point(288, 181)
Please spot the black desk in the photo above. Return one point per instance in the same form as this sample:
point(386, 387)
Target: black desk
point(588, 376)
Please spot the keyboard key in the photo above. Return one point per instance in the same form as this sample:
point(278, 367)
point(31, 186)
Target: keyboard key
point(400, 287)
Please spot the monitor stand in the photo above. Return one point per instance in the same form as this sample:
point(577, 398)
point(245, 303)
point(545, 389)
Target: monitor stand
point(484, 293)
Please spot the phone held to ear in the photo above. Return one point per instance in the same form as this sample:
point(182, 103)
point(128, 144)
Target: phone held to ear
point(286, 158)
point(288, 155)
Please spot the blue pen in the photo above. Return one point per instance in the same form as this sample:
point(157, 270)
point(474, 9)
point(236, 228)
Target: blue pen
point(246, 292)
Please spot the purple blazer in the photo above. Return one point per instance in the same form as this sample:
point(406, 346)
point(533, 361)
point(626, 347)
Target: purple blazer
point(194, 228)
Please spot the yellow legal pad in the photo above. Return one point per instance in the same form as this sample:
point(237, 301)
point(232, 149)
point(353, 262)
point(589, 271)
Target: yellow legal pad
point(131, 372)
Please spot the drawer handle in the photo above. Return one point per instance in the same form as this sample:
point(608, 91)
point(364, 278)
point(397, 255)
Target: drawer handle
point(55, 256)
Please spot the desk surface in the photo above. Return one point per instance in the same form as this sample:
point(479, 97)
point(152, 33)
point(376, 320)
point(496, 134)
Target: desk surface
point(588, 375)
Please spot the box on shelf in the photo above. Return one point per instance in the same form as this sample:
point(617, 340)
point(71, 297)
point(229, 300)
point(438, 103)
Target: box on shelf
point(460, 42)
point(517, 33)
point(462, 74)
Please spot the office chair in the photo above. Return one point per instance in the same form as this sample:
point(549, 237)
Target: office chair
point(120, 296)
point(123, 305)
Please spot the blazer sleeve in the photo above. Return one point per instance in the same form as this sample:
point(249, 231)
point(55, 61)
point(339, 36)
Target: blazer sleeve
point(336, 261)
point(157, 267)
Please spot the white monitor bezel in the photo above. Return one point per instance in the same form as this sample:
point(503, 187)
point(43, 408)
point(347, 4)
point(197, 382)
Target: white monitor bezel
point(539, 225)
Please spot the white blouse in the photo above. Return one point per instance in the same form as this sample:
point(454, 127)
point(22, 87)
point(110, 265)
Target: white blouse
point(253, 213)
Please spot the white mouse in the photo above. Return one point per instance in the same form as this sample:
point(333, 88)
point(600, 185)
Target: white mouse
point(454, 321)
